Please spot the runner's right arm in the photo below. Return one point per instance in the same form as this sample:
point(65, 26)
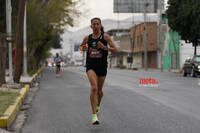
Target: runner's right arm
point(83, 44)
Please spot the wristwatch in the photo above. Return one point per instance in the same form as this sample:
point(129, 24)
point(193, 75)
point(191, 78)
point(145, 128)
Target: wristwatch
point(105, 48)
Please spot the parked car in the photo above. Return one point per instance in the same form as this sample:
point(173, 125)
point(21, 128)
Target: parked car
point(192, 66)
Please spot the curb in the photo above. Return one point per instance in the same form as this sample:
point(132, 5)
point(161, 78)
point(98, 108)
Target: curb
point(36, 74)
point(11, 113)
point(33, 78)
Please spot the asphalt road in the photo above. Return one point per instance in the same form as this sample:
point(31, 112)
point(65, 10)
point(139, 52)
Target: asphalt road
point(62, 104)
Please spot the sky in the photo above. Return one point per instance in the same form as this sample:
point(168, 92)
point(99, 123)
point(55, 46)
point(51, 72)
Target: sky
point(98, 8)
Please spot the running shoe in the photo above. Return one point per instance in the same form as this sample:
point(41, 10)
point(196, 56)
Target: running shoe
point(95, 120)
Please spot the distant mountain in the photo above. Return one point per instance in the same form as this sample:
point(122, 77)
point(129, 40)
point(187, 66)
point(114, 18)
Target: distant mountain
point(71, 38)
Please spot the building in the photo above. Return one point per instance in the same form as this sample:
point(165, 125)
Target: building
point(137, 37)
point(76, 47)
point(78, 58)
point(121, 38)
point(171, 51)
point(130, 44)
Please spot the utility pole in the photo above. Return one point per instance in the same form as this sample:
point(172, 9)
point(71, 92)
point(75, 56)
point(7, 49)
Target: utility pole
point(160, 33)
point(25, 44)
point(9, 38)
point(168, 45)
point(19, 42)
point(131, 39)
point(145, 44)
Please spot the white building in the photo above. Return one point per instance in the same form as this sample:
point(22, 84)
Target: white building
point(77, 58)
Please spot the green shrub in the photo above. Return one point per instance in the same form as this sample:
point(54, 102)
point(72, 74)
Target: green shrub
point(122, 67)
point(135, 68)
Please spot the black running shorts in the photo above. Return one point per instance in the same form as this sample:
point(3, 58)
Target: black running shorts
point(100, 71)
point(58, 66)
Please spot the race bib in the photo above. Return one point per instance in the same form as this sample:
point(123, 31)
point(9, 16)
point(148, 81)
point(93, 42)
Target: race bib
point(95, 53)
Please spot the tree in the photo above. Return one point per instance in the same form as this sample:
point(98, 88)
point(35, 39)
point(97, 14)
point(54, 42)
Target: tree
point(46, 20)
point(2, 41)
point(19, 42)
point(184, 17)
point(2, 59)
point(56, 41)
point(2, 16)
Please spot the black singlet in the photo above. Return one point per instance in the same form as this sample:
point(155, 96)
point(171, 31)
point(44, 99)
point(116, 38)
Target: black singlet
point(96, 57)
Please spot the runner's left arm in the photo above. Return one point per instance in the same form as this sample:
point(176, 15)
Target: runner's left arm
point(112, 47)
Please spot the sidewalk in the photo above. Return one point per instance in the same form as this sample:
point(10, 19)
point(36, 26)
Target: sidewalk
point(151, 70)
point(24, 79)
point(3, 131)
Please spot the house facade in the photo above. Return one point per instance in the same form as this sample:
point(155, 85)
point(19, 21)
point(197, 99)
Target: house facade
point(121, 38)
point(137, 37)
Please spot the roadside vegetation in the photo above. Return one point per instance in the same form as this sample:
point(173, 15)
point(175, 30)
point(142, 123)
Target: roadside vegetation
point(6, 99)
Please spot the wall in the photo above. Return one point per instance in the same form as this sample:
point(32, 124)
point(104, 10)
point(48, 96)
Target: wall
point(173, 61)
point(137, 34)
